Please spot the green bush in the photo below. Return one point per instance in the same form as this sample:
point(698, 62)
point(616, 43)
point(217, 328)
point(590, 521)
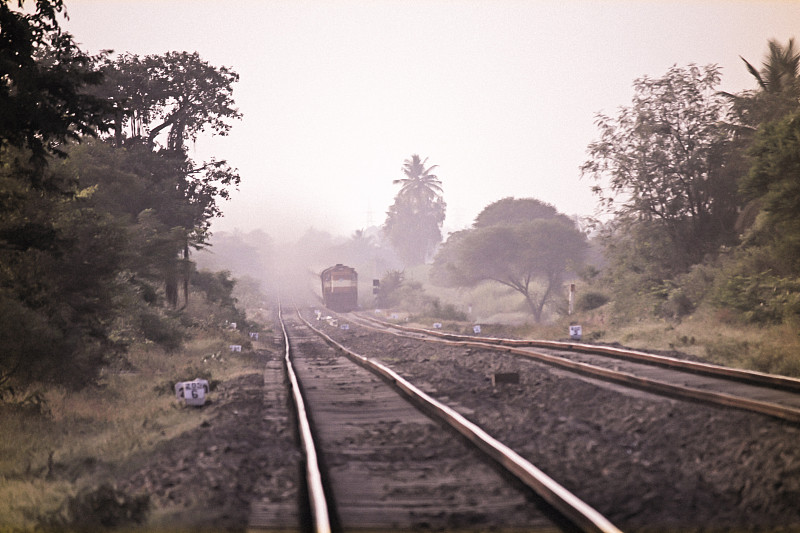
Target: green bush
point(99, 509)
point(591, 300)
point(444, 312)
point(678, 304)
point(759, 299)
point(161, 329)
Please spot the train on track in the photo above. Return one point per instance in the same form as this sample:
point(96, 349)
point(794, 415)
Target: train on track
point(340, 288)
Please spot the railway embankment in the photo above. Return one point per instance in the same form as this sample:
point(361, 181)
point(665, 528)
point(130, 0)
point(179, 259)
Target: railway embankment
point(130, 454)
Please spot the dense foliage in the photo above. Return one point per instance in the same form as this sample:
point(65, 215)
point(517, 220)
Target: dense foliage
point(703, 189)
point(96, 227)
point(44, 73)
point(660, 164)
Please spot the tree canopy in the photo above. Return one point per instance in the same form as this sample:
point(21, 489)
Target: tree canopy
point(178, 93)
point(701, 190)
point(94, 244)
point(774, 182)
point(523, 244)
point(516, 211)
point(778, 91)
point(43, 96)
point(660, 163)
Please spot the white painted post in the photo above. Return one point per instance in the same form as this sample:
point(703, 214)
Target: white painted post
point(571, 297)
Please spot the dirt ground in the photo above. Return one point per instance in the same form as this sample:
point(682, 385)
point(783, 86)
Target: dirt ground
point(646, 462)
point(243, 452)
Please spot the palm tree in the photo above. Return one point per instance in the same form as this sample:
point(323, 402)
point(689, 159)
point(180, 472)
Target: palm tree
point(413, 223)
point(419, 184)
point(777, 96)
point(779, 86)
point(779, 72)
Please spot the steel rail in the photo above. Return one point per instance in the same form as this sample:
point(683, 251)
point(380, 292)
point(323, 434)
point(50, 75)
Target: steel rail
point(570, 506)
point(782, 412)
point(738, 374)
point(316, 493)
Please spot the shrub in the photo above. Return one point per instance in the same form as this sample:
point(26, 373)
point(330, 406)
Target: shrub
point(161, 329)
point(388, 295)
point(446, 311)
point(99, 509)
point(591, 300)
point(678, 304)
point(760, 299)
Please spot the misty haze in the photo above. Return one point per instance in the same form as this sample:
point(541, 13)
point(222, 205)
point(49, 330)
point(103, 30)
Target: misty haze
point(391, 266)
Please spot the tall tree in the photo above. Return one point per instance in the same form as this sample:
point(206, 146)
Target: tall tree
point(780, 68)
point(777, 95)
point(661, 163)
point(44, 76)
point(778, 92)
point(177, 93)
point(419, 184)
point(413, 223)
point(528, 247)
point(82, 238)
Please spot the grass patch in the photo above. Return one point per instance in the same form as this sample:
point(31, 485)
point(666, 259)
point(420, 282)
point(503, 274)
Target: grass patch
point(707, 334)
point(58, 457)
point(772, 349)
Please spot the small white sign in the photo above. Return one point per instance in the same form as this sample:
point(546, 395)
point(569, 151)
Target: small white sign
point(236, 347)
point(192, 392)
point(476, 328)
point(254, 335)
point(344, 326)
point(575, 333)
point(437, 325)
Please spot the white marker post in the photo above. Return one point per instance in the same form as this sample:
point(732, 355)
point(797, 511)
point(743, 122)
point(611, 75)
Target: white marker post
point(571, 298)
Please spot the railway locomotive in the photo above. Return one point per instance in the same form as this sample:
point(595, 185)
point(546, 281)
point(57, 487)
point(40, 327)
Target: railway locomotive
point(340, 288)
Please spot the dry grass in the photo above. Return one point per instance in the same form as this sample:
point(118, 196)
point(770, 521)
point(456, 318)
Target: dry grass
point(773, 349)
point(46, 457)
point(707, 334)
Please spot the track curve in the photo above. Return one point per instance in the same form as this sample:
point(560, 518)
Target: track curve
point(388, 467)
point(776, 396)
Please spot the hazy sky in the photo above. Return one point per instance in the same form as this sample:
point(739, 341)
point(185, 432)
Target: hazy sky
point(502, 95)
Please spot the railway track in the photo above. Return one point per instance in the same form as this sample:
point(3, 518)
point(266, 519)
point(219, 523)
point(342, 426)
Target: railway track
point(643, 459)
point(385, 456)
point(775, 396)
